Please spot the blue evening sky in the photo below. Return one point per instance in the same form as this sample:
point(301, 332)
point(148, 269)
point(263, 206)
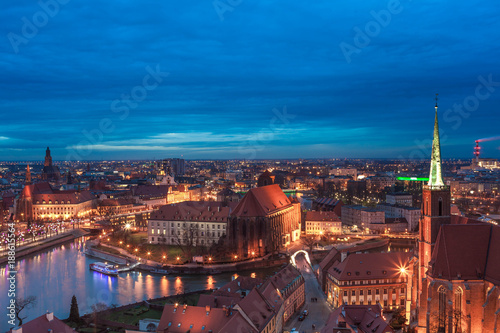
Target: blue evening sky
point(247, 78)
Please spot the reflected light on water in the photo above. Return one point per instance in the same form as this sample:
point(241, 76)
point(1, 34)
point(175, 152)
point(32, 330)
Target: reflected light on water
point(210, 282)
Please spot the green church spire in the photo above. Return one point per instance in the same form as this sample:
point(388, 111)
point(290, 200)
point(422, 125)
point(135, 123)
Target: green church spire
point(435, 176)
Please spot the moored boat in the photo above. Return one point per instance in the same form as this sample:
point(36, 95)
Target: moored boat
point(104, 268)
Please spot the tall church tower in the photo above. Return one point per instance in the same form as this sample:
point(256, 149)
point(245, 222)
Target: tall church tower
point(436, 206)
point(48, 158)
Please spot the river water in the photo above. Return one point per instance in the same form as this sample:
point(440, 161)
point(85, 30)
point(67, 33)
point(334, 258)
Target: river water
point(56, 274)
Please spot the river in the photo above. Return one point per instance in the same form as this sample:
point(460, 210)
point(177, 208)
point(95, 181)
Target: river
point(56, 274)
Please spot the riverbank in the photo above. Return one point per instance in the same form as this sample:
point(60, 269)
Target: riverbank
point(46, 243)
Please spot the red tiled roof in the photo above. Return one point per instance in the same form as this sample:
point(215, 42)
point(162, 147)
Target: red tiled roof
point(207, 211)
point(467, 252)
point(363, 266)
point(195, 319)
point(241, 283)
point(217, 301)
point(329, 257)
point(40, 192)
point(314, 215)
point(284, 277)
point(262, 201)
point(237, 324)
point(364, 318)
point(43, 325)
point(256, 307)
point(152, 191)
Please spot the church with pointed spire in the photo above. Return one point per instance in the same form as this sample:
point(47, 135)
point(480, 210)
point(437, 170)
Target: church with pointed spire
point(458, 276)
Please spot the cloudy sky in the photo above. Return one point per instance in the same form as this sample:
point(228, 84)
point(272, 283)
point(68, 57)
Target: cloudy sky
point(247, 79)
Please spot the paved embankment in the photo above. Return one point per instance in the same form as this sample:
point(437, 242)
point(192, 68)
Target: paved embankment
point(46, 243)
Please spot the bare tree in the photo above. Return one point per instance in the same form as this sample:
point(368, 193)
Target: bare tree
point(309, 241)
point(186, 237)
point(24, 303)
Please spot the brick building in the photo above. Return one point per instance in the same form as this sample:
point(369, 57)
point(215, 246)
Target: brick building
point(265, 220)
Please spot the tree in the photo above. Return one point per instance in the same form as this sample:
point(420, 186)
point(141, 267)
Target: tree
point(309, 241)
point(74, 313)
point(398, 318)
point(186, 237)
point(24, 303)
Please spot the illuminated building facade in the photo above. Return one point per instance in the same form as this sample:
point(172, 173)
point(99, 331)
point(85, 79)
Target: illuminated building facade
point(265, 220)
point(371, 278)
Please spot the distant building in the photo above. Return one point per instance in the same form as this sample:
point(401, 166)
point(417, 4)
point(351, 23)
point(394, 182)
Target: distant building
point(228, 195)
point(328, 204)
point(50, 172)
point(41, 202)
point(399, 198)
point(266, 178)
point(200, 223)
point(410, 214)
point(361, 216)
point(391, 225)
point(323, 223)
point(264, 221)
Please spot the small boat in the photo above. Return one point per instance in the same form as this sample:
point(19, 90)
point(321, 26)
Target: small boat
point(104, 268)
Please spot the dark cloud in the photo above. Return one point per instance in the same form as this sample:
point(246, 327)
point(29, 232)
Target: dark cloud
point(227, 76)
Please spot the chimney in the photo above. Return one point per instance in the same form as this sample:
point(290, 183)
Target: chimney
point(207, 308)
point(49, 316)
point(343, 255)
point(184, 308)
point(17, 330)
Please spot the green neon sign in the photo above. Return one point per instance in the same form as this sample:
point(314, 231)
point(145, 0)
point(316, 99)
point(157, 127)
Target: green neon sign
point(414, 179)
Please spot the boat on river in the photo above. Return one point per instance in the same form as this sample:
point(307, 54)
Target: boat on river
point(104, 268)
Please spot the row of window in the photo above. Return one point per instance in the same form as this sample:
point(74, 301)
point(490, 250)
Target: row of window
point(182, 241)
point(369, 292)
point(172, 225)
point(196, 233)
point(386, 303)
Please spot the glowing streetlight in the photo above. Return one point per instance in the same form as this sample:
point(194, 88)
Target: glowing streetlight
point(136, 250)
point(127, 226)
point(149, 253)
point(121, 242)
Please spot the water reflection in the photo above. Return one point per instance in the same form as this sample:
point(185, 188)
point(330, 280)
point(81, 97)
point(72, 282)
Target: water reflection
point(55, 275)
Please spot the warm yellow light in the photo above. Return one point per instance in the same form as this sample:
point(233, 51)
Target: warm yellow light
point(235, 257)
point(178, 258)
point(210, 259)
point(164, 257)
point(136, 250)
point(149, 253)
point(402, 270)
point(121, 242)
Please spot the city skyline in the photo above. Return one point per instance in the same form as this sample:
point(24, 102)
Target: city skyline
point(247, 80)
